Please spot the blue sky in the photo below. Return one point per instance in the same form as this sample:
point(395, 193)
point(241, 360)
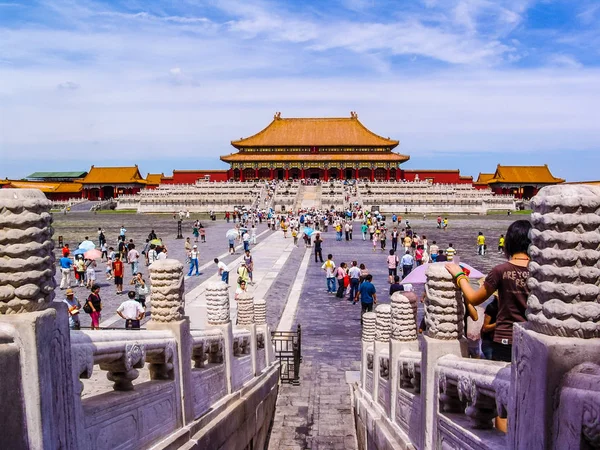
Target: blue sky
point(462, 84)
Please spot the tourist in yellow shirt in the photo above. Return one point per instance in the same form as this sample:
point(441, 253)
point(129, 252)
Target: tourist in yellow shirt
point(501, 244)
point(481, 244)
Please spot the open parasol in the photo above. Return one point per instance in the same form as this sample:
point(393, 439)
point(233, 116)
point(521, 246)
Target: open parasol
point(417, 275)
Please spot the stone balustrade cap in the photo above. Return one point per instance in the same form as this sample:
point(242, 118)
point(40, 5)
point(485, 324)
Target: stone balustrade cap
point(165, 265)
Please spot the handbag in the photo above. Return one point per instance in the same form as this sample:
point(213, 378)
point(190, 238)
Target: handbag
point(87, 308)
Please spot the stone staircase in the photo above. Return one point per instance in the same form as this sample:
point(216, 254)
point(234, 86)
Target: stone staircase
point(308, 197)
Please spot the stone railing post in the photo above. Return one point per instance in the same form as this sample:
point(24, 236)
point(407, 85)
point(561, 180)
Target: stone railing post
point(262, 330)
point(403, 338)
point(218, 316)
point(167, 313)
point(35, 346)
point(562, 309)
point(368, 337)
point(444, 313)
point(245, 319)
point(383, 328)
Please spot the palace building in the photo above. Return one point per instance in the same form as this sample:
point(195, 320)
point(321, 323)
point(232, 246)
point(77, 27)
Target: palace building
point(520, 181)
point(323, 148)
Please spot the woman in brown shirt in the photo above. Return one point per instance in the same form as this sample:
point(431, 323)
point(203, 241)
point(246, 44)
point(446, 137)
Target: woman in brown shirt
point(510, 280)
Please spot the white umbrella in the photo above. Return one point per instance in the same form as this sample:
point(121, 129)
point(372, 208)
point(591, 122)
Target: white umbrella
point(232, 234)
point(87, 245)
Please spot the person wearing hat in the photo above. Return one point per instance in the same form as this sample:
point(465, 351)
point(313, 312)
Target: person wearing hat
point(73, 306)
point(194, 253)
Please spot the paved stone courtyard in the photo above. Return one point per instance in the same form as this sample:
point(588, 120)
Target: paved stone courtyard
point(316, 414)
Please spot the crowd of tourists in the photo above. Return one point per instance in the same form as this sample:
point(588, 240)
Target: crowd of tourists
point(78, 270)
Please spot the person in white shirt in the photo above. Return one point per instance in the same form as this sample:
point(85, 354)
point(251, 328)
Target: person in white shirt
point(222, 270)
point(354, 273)
point(407, 264)
point(132, 258)
point(194, 255)
point(131, 311)
point(152, 254)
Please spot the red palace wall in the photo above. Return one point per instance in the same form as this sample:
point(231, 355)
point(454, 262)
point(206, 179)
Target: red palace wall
point(437, 176)
point(191, 176)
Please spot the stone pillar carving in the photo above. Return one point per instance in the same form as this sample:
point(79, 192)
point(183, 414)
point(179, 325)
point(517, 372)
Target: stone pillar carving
point(368, 338)
point(260, 311)
point(218, 316)
point(404, 327)
point(27, 263)
point(245, 311)
point(563, 311)
point(166, 278)
point(383, 322)
point(564, 277)
point(444, 307)
point(35, 345)
point(217, 303)
point(369, 326)
point(444, 314)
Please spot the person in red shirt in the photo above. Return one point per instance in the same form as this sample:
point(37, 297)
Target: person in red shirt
point(66, 250)
point(118, 273)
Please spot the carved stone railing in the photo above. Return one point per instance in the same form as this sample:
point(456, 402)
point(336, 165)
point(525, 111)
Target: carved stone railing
point(477, 388)
point(165, 385)
point(550, 392)
point(409, 371)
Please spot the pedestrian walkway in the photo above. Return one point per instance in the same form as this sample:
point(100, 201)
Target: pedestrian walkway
point(318, 413)
point(269, 258)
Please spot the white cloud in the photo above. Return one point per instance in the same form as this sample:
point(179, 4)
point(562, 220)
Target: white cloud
point(68, 85)
point(561, 60)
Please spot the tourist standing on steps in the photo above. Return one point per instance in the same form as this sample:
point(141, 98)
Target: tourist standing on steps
point(450, 252)
point(66, 265)
point(249, 265)
point(141, 289)
point(73, 306)
point(132, 257)
point(131, 311)
point(222, 270)
point(363, 229)
point(194, 254)
point(481, 244)
point(340, 274)
point(392, 263)
point(122, 232)
point(318, 247)
point(501, 244)
point(394, 237)
point(396, 286)
point(510, 280)
point(94, 306)
point(368, 296)
point(118, 273)
point(407, 264)
point(354, 274)
point(329, 268)
point(433, 251)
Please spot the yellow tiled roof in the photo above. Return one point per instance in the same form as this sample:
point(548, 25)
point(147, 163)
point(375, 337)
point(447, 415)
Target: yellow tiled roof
point(484, 177)
point(319, 132)
point(114, 175)
point(154, 178)
point(368, 156)
point(46, 186)
point(524, 174)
